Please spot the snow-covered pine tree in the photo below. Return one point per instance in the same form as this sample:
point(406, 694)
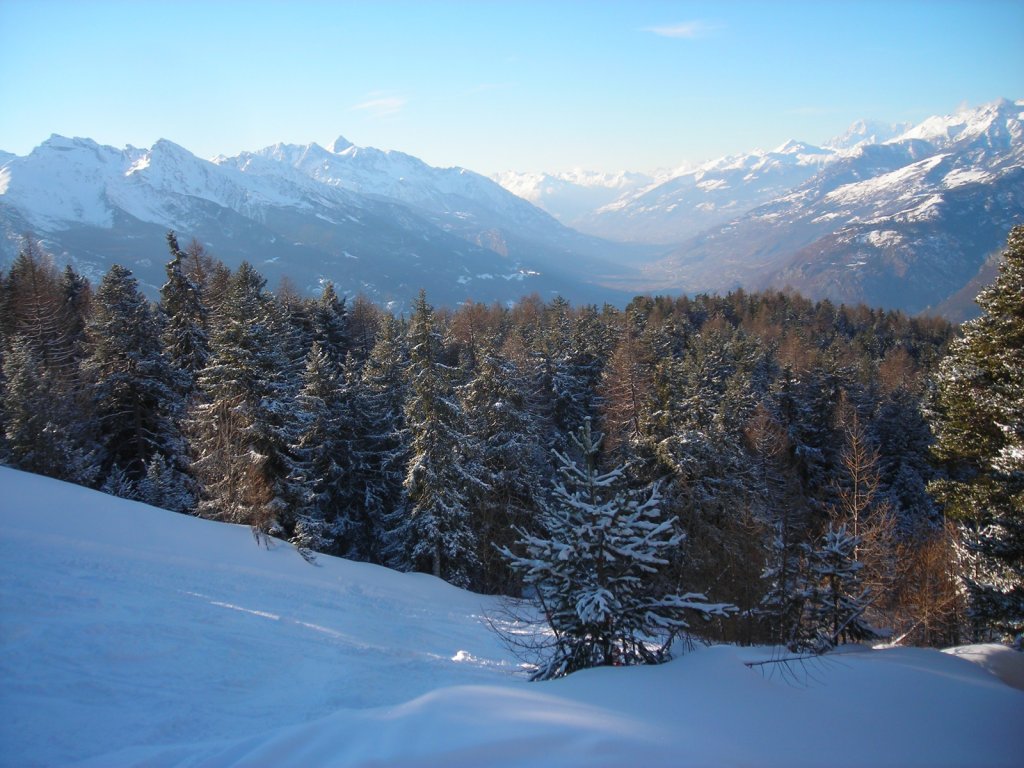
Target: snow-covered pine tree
point(510, 460)
point(328, 317)
point(904, 466)
point(162, 487)
point(381, 449)
point(184, 332)
point(76, 292)
point(440, 531)
point(135, 395)
point(240, 425)
point(593, 569)
point(980, 428)
point(117, 482)
point(318, 473)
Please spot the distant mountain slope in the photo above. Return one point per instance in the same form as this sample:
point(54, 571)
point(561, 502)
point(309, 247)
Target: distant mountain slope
point(906, 223)
point(706, 196)
point(380, 223)
point(671, 206)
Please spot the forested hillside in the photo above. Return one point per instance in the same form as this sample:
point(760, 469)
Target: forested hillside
point(788, 442)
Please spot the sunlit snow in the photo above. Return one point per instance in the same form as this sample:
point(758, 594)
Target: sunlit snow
point(131, 636)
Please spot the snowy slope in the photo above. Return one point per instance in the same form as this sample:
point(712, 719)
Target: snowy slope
point(132, 636)
point(394, 175)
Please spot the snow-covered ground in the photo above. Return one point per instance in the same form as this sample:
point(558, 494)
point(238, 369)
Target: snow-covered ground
point(133, 636)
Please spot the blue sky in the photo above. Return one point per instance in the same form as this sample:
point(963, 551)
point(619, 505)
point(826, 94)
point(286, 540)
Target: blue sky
point(493, 85)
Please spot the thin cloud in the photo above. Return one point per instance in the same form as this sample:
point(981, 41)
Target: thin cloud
point(382, 106)
point(686, 30)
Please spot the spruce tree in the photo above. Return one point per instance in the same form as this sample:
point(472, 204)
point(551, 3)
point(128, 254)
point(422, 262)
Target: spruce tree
point(381, 449)
point(510, 462)
point(322, 456)
point(184, 334)
point(329, 324)
point(134, 393)
point(980, 429)
point(240, 426)
point(441, 536)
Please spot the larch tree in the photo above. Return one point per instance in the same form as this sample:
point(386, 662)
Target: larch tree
point(46, 414)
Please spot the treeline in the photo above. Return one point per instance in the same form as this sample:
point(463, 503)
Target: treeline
point(427, 442)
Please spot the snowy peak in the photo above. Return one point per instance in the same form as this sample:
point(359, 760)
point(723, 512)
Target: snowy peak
point(946, 128)
point(340, 145)
point(794, 147)
point(988, 131)
point(904, 223)
point(705, 196)
point(64, 181)
point(863, 132)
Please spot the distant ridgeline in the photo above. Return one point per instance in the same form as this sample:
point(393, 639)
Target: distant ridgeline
point(769, 423)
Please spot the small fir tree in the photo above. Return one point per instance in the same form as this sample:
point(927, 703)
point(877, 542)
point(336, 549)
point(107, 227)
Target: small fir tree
point(836, 599)
point(593, 570)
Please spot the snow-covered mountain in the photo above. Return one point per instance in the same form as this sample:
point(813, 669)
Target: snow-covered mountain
point(381, 223)
point(706, 196)
point(132, 636)
point(866, 132)
point(573, 196)
point(668, 207)
point(905, 223)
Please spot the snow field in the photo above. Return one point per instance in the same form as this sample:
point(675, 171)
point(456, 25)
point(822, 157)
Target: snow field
point(133, 636)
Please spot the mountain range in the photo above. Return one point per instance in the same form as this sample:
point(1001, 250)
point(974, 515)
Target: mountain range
point(899, 216)
point(384, 224)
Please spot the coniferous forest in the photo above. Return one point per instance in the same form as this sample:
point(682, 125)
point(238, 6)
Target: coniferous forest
point(752, 468)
